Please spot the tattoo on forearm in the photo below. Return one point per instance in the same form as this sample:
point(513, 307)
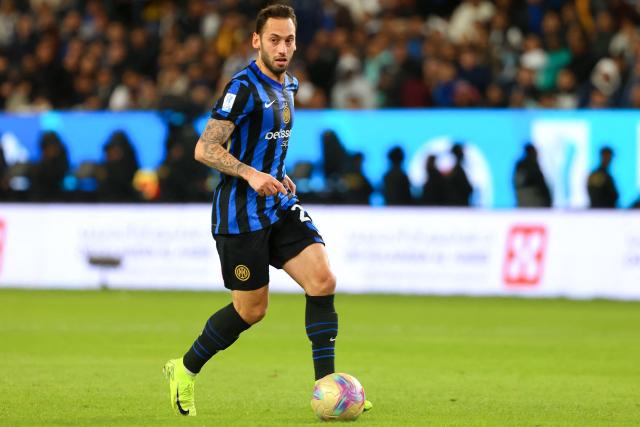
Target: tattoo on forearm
point(216, 133)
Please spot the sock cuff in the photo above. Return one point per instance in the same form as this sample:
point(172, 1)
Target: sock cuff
point(235, 320)
point(191, 374)
point(321, 301)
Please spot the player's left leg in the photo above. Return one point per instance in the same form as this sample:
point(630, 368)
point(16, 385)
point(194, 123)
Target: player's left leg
point(298, 243)
point(310, 269)
point(297, 247)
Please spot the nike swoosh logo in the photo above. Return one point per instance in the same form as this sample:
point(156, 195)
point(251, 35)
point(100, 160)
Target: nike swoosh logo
point(182, 411)
point(332, 339)
point(269, 104)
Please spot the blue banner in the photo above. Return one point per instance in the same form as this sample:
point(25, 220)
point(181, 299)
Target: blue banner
point(568, 143)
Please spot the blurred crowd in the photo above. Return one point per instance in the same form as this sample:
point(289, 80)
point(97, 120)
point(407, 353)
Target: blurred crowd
point(176, 55)
point(446, 186)
point(118, 178)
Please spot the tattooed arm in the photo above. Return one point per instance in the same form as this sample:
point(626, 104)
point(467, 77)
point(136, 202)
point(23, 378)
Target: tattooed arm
point(210, 150)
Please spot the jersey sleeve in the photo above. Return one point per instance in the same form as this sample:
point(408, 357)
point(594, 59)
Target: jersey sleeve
point(235, 103)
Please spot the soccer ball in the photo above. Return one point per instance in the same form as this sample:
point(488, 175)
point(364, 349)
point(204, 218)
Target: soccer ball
point(338, 397)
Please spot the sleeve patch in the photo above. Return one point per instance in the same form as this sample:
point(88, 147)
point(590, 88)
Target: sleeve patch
point(227, 104)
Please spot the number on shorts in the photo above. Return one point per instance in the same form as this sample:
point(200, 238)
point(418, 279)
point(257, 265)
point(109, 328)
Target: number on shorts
point(304, 216)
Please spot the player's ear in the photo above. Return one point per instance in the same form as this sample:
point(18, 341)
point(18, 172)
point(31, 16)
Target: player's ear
point(255, 41)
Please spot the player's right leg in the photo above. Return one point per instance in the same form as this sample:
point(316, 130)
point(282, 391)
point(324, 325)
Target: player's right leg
point(220, 332)
point(245, 271)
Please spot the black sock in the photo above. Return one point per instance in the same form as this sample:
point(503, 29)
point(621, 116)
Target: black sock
point(321, 321)
point(221, 330)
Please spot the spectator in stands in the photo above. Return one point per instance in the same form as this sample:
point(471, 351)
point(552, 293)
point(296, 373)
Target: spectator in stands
point(557, 57)
point(321, 59)
point(630, 96)
point(401, 83)
point(458, 189)
point(309, 96)
point(465, 95)
point(606, 79)
point(444, 88)
point(182, 178)
point(601, 185)
point(582, 59)
point(104, 86)
point(50, 79)
point(634, 96)
point(603, 34)
point(49, 172)
point(377, 61)
point(335, 160)
point(525, 88)
point(115, 178)
point(531, 188)
point(468, 17)
point(533, 56)
point(597, 100)
point(397, 189)
point(357, 188)
point(505, 40)
point(126, 95)
point(143, 52)
point(352, 90)
point(626, 38)
point(433, 191)
point(495, 96)
point(567, 96)
point(473, 71)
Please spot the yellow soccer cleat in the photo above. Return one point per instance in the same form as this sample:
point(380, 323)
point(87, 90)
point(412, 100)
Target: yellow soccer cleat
point(367, 406)
point(181, 388)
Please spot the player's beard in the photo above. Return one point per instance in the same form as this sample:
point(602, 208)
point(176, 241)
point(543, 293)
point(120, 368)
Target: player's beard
point(271, 65)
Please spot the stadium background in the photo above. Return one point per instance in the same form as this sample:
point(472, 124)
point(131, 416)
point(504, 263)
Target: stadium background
point(102, 103)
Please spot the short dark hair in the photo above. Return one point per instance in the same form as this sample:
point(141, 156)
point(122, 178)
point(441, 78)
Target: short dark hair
point(275, 11)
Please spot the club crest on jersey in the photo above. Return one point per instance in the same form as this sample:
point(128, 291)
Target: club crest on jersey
point(286, 113)
point(242, 272)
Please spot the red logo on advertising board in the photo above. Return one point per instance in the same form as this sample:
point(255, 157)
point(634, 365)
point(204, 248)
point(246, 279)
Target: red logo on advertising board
point(3, 234)
point(524, 261)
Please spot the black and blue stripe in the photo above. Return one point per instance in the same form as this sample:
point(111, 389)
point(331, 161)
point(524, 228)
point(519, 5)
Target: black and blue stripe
point(321, 325)
point(260, 139)
point(221, 330)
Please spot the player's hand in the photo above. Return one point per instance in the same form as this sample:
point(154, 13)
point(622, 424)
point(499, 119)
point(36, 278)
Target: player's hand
point(289, 185)
point(264, 184)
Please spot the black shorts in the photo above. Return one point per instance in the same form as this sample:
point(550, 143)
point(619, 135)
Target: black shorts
point(245, 258)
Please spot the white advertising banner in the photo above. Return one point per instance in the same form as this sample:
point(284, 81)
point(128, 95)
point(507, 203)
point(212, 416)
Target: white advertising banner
point(540, 253)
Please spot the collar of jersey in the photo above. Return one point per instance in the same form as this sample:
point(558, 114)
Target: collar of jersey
point(276, 84)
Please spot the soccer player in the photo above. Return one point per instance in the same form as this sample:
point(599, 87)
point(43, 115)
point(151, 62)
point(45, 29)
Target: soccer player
point(257, 219)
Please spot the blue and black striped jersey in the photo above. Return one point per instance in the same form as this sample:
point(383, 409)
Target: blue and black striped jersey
point(262, 111)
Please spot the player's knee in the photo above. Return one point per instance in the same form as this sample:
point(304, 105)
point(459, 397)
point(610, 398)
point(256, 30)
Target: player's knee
point(325, 284)
point(253, 313)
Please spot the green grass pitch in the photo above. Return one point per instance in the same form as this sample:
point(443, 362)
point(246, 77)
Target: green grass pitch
point(95, 359)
